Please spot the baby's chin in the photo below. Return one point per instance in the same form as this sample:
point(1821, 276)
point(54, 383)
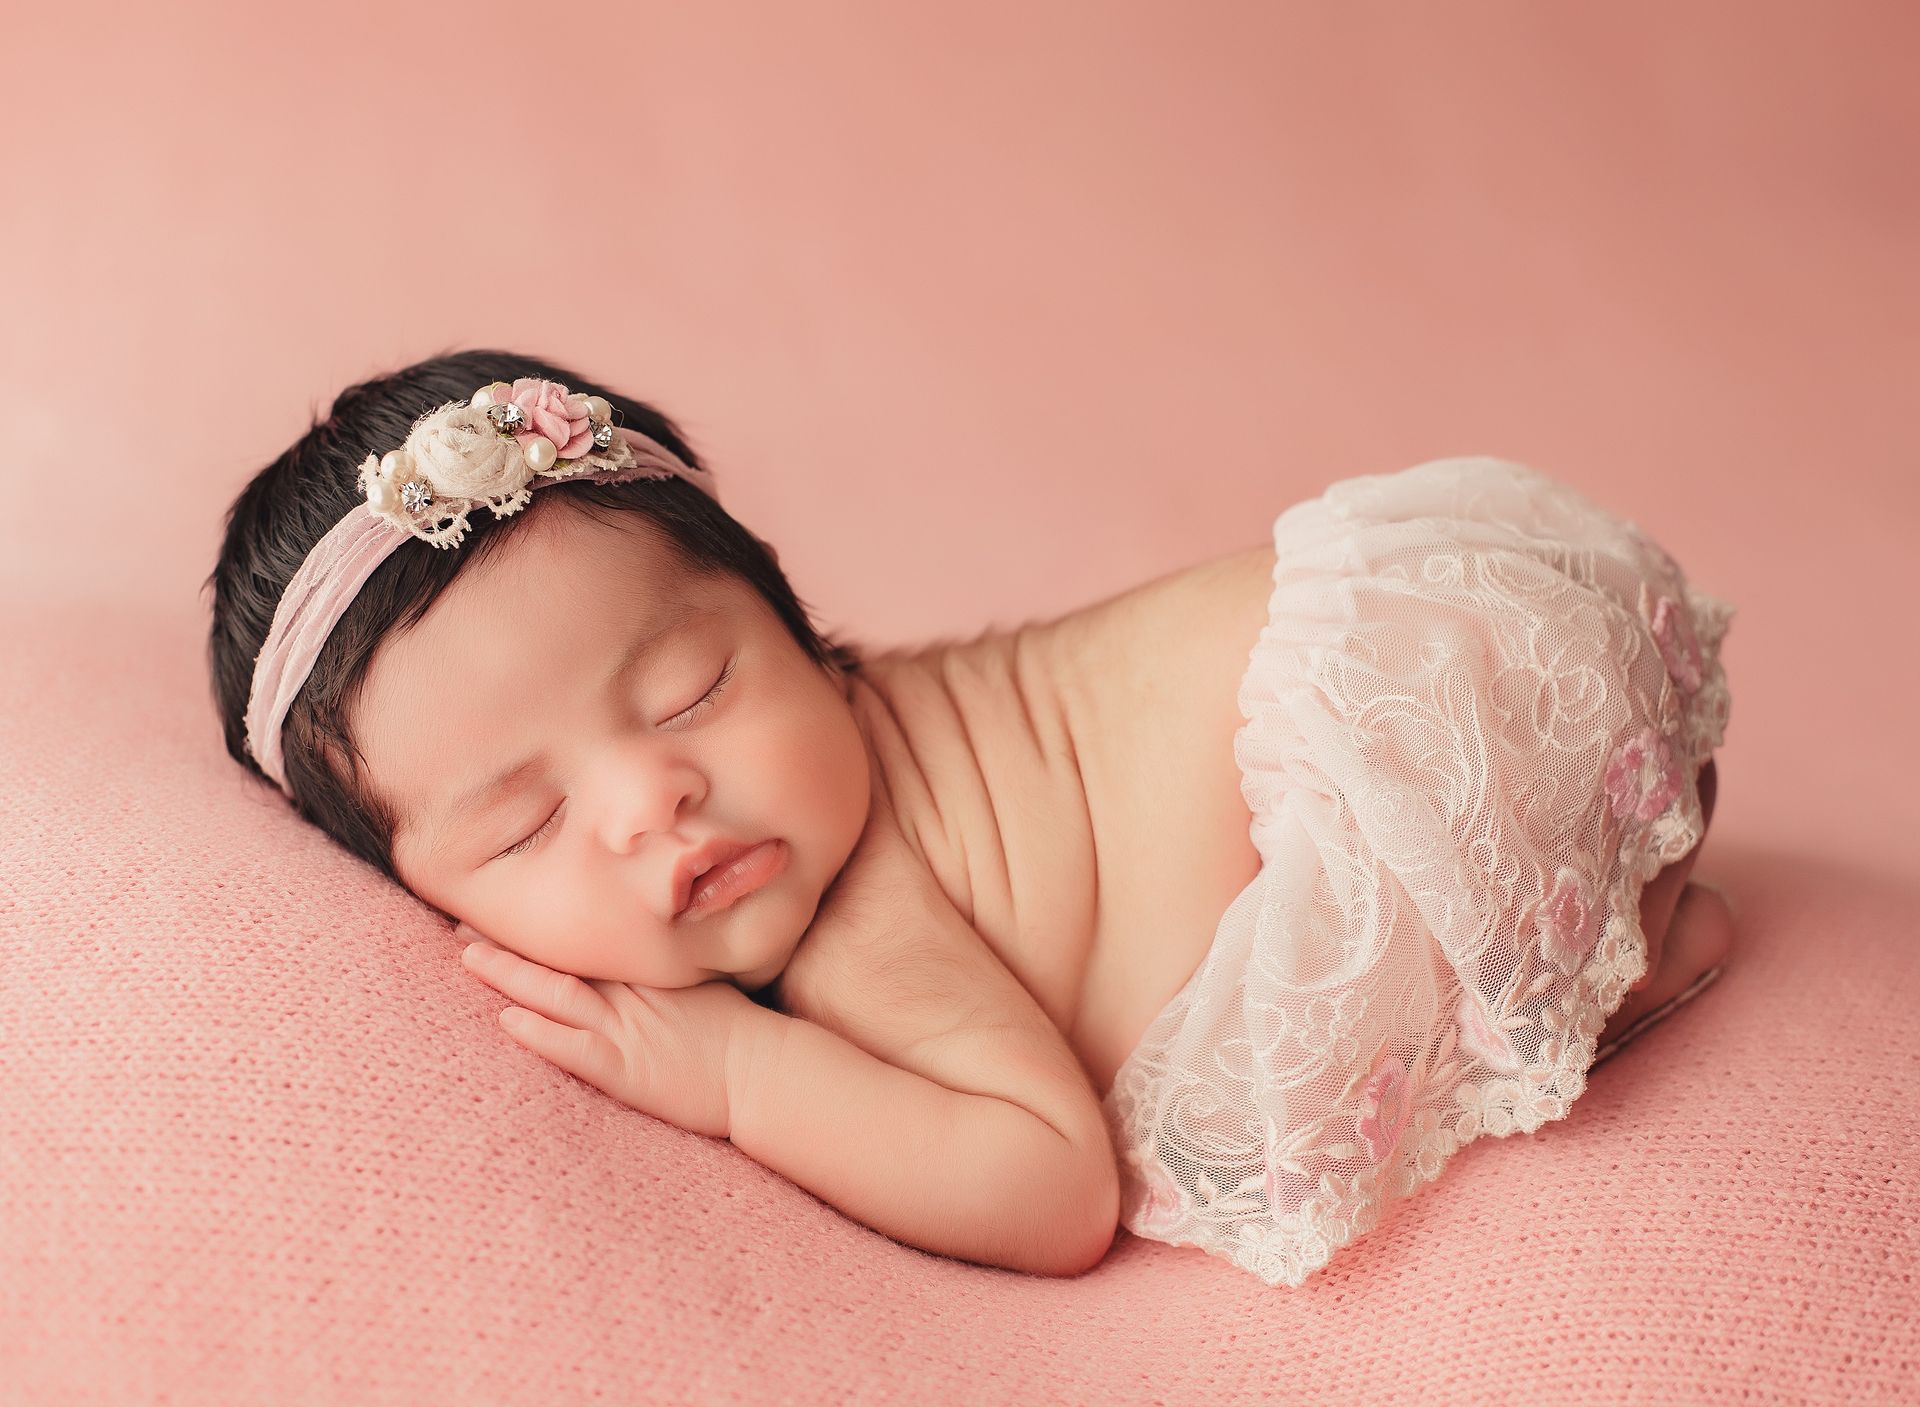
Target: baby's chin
point(763, 983)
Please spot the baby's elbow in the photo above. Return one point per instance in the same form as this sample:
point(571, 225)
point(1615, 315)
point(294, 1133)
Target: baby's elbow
point(1107, 1221)
point(1095, 1213)
point(1096, 1250)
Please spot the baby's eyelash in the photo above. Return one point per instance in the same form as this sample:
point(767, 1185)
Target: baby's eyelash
point(711, 694)
point(527, 844)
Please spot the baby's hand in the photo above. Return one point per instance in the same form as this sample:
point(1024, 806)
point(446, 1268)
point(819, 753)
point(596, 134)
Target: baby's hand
point(663, 1052)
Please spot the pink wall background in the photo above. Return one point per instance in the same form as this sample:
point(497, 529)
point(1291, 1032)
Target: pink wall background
point(984, 312)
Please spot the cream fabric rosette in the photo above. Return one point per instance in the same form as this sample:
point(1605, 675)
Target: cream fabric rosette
point(457, 458)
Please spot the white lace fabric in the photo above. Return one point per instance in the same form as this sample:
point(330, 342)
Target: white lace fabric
point(1475, 720)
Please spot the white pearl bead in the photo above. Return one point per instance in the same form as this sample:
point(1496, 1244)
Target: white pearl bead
point(540, 453)
point(381, 495)
point(482, 398)
point(598, 408)
point(395, 464)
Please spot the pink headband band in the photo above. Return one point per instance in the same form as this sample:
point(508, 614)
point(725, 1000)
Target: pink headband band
point(495, 449)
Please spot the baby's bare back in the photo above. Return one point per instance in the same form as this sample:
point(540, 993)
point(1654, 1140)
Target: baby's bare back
point(1067, 791)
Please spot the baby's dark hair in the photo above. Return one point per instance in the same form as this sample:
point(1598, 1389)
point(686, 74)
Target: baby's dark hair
point(288, 506)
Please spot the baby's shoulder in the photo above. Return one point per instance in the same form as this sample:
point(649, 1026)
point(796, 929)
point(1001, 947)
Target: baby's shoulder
point(892, 964)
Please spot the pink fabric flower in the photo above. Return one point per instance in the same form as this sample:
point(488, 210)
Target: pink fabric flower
point(552, 412)
point(1673, 632)
point(1643, 776)
point(1563, 921)
point(1161, 1210)
point(1386, 1102)
point(1482, 1039)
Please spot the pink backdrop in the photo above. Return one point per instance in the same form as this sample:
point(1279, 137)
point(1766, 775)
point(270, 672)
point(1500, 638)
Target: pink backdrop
point(984, 312)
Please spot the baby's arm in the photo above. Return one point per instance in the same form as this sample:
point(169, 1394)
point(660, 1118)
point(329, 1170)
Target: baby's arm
point(951, 1168)
point(919, 1087)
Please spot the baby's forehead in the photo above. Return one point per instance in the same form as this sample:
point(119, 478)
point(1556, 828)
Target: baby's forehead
point(572, 539)
point(610, 569)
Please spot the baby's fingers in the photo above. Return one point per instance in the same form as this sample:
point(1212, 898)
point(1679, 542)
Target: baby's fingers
point(559, 995)
point(587, 1054)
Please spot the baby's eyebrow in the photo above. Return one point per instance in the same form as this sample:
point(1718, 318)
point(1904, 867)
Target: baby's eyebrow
point(475, 796)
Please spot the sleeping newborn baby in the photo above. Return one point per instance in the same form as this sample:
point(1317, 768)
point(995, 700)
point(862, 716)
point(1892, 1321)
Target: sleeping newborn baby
point(1225, 909)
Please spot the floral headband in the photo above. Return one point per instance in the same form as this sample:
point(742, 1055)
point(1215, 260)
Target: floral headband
point(494, 451)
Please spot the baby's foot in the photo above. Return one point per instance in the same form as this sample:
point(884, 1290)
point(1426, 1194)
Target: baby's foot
point(1698, 941)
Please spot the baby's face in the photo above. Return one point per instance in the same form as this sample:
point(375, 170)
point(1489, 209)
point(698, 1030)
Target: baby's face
point(571, 863)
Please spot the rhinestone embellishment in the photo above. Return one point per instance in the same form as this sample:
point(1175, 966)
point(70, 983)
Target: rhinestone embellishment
point(603, 434)
point(506, 416)
point(415, 495)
